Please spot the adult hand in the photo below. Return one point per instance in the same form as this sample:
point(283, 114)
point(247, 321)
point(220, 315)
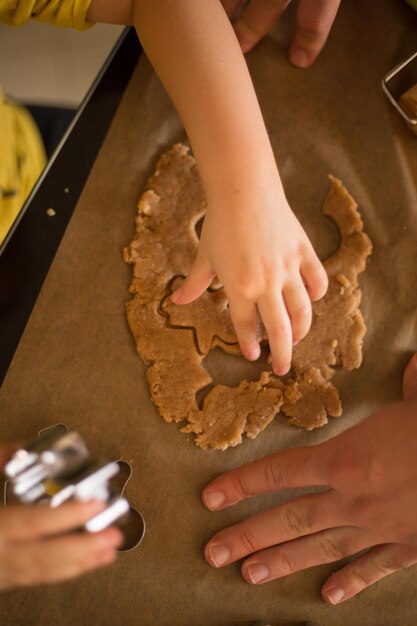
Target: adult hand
point(314, 22)
point(38, 544)
point(371, 503)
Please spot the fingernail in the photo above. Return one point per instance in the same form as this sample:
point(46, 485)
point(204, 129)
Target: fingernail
point(281, 371)
point(219, 555)
point(294, 343)
point(299, 57)
point(214, 499)
point(335, 595)
point(257, 572)
point(253, 354)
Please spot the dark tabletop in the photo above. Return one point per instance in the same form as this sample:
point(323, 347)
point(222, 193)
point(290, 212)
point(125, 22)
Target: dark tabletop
point(28, 251)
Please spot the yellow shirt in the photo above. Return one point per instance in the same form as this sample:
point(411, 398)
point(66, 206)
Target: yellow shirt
point(22, 155)
point(64, 13)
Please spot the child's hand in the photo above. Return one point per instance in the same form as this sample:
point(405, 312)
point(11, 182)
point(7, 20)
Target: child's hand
point(256, 247)
point(38, 544)
point(314, 22)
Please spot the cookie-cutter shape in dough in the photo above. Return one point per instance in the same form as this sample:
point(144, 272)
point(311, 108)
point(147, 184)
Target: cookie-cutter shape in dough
point(173, 340)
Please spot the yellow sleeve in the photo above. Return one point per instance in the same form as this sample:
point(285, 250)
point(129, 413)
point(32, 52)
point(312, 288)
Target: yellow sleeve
point(64, 13)
point(22, 159)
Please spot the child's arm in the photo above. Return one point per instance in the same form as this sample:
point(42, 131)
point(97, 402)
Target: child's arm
point(251, 240)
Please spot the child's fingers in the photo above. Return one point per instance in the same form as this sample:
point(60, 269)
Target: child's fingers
point(30, 522)
point(256, 20)
point(314, 21)
point(243, 314)
point(197, 281)
point(278, 327)
point(299, 308)
point(314, 276)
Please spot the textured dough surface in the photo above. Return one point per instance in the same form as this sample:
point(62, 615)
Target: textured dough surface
point(173, 340)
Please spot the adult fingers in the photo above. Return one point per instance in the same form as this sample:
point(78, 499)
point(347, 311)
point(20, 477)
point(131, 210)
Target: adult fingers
point(231, 6)
point(256, 20)
point(197, 281)
point(298, 307)
point(298, 517)
point(326, 546)
point(278, 327)
point(30, 522)
point(43, 561)
point(314, 22)
point(410, 379)
point(243, 315)
point(367, 570)
point(297, 467)
point(314, 276)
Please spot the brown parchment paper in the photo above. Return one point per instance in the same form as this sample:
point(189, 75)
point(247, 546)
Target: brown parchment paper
point(77, 363)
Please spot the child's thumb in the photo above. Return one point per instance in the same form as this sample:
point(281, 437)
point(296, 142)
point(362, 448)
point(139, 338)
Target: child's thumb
point(197, 281)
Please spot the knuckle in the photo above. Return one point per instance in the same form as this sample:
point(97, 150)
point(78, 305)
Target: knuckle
point(385, 563)
point(248, 540)
point(362, 507)
point(245, 329)
point(249, 288)
point(240, 487)
point(283, 563)
point(302, 313)
point(329, 548)
point(293, 522)
point(280, 331)
point(361, 578)
point(313, 28)
point(343, 463)
point(273, 476)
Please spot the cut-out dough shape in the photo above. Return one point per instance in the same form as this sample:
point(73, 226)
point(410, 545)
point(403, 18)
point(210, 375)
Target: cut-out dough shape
point(173, 339)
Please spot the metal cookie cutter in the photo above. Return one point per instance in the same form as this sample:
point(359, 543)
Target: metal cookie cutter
point(400, 87)
point(58, 467)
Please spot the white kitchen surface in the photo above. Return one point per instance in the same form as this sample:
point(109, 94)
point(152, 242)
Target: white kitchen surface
point(42, 64)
